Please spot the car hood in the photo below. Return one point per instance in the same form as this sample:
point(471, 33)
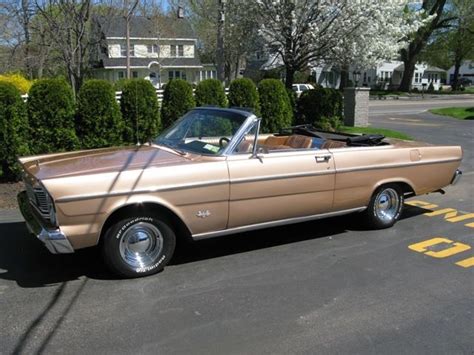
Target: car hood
point(99, 161)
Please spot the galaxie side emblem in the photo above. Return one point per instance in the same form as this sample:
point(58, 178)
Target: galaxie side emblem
point(203, 214)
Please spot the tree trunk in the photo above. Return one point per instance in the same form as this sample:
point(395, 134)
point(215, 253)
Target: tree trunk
point(290, 73)
point(405, 84)
point(455, 83)
point(26, 31)
point(344, 77)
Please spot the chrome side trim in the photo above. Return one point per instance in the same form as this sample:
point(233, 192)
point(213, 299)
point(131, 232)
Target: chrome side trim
point(137, 192)
point(393, 166)
point(281, 222)
point(281, 177)
point(457, 175)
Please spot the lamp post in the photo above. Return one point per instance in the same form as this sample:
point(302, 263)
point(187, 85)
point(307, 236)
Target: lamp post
point(356, 77)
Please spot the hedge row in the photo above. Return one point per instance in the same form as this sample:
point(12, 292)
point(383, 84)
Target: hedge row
point(53, 121)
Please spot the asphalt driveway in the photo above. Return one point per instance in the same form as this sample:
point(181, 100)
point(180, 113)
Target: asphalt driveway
point(320, 287)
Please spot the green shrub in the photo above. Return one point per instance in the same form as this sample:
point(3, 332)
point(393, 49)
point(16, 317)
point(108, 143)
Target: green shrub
point(243, 93)
point(98, 119)
point(140, 111)
point(119, 84)
point(177, 100)
point(275, 106)
point(210, 92)
point(13, 131)
point(317, 103)
point(51, 116)
point(430, 87)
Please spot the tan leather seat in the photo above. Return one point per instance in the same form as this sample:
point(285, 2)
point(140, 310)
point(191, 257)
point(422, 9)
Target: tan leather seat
point(275, 141)
point(299, 142)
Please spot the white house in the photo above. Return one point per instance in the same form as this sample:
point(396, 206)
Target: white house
point(388, 75)
point(161, 50)
point(466, 70)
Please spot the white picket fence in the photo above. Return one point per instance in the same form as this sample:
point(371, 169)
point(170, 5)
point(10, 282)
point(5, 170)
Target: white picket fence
point(118, 95)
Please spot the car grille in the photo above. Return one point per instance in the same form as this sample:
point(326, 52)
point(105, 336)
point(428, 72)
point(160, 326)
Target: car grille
point(39, 198)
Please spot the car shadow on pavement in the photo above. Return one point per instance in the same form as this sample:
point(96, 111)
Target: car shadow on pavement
point(26, 261)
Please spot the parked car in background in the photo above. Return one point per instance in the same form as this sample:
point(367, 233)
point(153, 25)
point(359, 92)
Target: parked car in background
point(300, 88)
point(213, 173)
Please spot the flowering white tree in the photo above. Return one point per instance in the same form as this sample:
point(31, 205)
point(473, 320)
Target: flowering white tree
point(344, 31)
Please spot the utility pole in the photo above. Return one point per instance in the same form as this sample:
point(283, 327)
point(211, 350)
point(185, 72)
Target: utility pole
point(220, 40)
point(128, 17)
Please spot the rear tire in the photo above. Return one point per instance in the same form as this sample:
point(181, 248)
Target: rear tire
point(385, 207)
point(138, 246)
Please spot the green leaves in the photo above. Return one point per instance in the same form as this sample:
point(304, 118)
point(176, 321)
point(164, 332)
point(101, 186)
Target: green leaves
point(51, 112)
point(177, 100)
point(140, 111)
point(275, 106)
point(210, 92)
point(14, 133)
point(98, 120)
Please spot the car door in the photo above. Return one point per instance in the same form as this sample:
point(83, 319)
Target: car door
point(280, 185)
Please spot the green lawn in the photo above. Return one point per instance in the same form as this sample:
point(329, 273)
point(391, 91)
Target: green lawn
point(461, 113)
point(373, 130)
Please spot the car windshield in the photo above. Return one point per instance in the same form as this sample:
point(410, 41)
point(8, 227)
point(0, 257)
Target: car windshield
point(202, 131)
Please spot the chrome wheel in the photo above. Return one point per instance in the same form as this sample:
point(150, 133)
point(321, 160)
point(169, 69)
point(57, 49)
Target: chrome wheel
point(141, 244)
point(387, 205)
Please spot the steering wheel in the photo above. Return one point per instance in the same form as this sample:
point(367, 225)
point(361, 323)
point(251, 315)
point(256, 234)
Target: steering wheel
point(222, 140)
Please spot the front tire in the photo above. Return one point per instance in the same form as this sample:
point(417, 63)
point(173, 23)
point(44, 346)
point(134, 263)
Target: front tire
point(385, 207)
point(138, 246)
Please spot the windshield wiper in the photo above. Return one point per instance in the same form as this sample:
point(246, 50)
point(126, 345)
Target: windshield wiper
point(179, 151)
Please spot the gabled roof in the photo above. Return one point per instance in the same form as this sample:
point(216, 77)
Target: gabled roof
point(434, 70)
point(144, 27)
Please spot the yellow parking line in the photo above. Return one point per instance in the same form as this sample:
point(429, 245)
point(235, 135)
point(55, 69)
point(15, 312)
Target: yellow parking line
point(422, 246)
point(452, 250)
point(469, 262)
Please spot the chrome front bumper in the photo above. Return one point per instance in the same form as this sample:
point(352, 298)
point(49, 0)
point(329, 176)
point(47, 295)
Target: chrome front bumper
point(456, 177)
point(52, 238)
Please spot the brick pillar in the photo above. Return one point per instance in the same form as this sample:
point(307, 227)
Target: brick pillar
point(356, 107)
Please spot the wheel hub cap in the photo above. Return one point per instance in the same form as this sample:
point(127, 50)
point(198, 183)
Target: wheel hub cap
point(141, 244)
point(387, 205)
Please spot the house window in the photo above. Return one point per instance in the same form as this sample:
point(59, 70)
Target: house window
point(123, 51)
point(177, 50)
point(121, 74)
point(174, 74)
point(368, 79)
point(152, 48)
point(134, 74)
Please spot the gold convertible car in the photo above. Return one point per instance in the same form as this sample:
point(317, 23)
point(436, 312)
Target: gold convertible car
point(214, 173)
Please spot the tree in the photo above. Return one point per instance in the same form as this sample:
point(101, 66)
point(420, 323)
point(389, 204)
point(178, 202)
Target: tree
point(240, 36)
point(98, 119)
point(210, 92)
point(140, 111)
point(177, 100)
point(410, 55)
point(461, 39)
point(300, 32)
point(13, 131)
point(51, 112)
point(275, 106)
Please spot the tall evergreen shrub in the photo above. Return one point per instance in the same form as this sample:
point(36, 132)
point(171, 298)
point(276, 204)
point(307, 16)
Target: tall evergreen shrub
point(140, 111)
point(320, 103)
point(51, 112)
point(177, 100)
point(275, 106)
point(210, 92)
point(13, 131)
point(243, 93)
point(98, 119)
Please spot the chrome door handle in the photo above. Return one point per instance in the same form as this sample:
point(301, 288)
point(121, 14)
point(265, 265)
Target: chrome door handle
point(323, 158)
